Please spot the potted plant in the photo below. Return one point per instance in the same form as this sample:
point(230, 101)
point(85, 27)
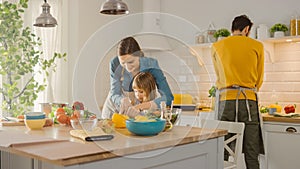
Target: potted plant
point(221, 33)
point(19, 57)
point(278, 29)
point(212, 94)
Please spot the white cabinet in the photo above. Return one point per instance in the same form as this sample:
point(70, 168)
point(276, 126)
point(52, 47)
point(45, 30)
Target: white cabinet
point(193, 119)
point(282, 145)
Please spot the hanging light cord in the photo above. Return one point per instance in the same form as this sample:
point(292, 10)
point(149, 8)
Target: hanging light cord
point(45, 1)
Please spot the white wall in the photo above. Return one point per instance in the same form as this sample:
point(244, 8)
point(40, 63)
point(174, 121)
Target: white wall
point(84, 20)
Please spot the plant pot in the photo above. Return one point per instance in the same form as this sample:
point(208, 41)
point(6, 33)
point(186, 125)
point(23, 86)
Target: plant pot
point(221, 37)
point(278, 34)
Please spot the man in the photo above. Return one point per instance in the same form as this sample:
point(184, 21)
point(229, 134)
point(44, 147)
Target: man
point(239, 66)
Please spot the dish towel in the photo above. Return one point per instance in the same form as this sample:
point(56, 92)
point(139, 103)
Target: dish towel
point(95, 135)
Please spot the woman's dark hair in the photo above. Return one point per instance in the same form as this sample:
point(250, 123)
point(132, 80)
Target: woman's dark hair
point(129, 46)
point(240, 22)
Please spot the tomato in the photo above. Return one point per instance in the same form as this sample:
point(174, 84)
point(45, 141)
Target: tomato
point(49, 122)
point(76, 113)
point(289, 109)
point(20, 117)
point(59, 111)
point(62, 118)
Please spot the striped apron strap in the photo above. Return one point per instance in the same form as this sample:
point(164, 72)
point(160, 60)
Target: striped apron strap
point(240, 90)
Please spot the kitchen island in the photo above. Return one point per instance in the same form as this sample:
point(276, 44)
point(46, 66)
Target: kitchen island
point(54, 148)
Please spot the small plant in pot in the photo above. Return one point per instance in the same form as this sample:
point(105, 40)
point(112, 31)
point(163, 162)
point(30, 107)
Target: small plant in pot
point(221, 33)
point(279, 29)
point(212, 93)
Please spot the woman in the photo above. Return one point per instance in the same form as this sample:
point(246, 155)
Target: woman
point(123, 68)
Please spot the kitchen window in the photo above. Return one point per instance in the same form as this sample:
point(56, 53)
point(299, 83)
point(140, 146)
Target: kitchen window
point(51, 42)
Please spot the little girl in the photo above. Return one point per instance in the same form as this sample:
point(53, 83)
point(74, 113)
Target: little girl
point(144, 88)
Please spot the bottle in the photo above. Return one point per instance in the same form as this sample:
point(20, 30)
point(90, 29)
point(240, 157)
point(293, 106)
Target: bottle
point(295, 26)
point(163, 108)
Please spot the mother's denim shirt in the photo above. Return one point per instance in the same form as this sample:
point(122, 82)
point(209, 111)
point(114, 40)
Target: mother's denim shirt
point(121, 79)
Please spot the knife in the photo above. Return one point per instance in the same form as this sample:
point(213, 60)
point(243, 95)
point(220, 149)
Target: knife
point(99, 138)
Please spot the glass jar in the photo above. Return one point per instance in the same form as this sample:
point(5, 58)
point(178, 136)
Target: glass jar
point(295, 26)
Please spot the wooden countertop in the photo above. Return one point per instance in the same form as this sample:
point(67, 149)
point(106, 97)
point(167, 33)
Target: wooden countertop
point(63, 149)
point(270, 118)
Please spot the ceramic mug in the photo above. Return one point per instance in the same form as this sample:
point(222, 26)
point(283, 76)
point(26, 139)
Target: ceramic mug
point(272, 111)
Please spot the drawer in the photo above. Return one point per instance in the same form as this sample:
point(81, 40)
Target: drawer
point(283, 128)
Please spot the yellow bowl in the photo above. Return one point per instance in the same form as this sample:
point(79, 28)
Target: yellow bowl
point(35, 124)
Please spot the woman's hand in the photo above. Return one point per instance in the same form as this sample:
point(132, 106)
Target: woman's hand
point(132, 112)
point(125, 104)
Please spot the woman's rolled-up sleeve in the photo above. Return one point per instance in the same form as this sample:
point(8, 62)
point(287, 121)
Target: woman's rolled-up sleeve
point(161, 81)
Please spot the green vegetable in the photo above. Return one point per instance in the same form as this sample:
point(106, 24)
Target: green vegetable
point(264, 109)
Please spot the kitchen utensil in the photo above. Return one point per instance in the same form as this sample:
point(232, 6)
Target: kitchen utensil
point(99, 138)
point(35, 124)
point(35, 115)
point(272, 111)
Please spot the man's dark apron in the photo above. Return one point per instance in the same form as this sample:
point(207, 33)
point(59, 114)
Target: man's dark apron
point(241, 90)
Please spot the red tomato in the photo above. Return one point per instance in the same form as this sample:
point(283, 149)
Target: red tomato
point(289, 109)
point(62, 118)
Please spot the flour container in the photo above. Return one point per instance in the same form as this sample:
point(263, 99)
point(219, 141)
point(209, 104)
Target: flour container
point(210, 33)
point(262, 32)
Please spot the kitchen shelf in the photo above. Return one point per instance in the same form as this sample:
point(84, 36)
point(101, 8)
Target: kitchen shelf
point(285, 39)
point(268, 44)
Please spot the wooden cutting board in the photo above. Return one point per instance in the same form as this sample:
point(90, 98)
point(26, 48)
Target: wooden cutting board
point(12, 123)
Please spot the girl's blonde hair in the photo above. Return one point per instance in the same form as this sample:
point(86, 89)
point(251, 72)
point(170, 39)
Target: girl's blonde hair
point(146, 82)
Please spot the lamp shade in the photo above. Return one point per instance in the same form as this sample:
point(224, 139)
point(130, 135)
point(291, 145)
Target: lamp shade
point(114, 7)
point(45, 19)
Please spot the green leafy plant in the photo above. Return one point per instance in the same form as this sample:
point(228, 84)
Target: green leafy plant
point(19, 58)
point(222, 33)
point(212, 91)
point(279, 27)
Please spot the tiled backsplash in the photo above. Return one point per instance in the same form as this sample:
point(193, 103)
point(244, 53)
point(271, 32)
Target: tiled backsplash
point(281, 81)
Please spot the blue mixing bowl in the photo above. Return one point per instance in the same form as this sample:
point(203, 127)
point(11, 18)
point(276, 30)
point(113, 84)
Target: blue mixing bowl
point(146, 128)
point(35, 115)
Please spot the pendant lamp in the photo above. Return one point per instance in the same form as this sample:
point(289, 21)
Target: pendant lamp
point(45, 19)
point(114, 7)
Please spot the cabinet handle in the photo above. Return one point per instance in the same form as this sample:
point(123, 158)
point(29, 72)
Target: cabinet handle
point(291, 130)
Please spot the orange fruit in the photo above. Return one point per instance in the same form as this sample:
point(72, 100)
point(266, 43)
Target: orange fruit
point(119, 120)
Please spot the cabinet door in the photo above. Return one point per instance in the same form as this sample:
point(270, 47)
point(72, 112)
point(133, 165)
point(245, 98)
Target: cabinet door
point(282, 144)
point(187, 120)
